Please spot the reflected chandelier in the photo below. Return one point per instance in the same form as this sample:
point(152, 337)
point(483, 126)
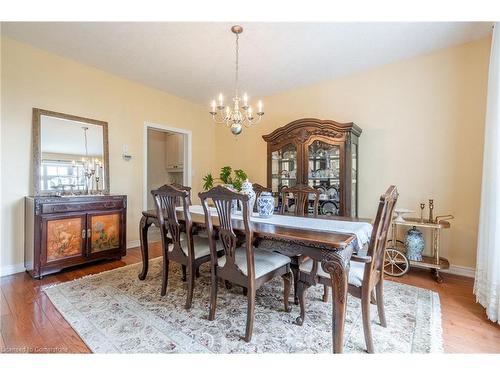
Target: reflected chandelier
point(241, 114)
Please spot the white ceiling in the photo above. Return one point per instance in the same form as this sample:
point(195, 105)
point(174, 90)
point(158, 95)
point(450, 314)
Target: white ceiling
point(196, 60)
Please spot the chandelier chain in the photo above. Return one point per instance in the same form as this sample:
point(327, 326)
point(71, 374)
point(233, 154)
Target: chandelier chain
point(85, 137)
point(236, 82)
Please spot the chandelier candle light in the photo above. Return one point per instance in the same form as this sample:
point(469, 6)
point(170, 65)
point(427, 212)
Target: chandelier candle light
point(241, 114)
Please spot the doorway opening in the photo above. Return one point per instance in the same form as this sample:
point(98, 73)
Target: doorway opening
point(167, 159)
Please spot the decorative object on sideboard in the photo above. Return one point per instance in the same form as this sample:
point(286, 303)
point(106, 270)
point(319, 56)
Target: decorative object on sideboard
point(400, 212)
point(265, 204)
point(241, 114)
point(415, 244)
point(431, 209)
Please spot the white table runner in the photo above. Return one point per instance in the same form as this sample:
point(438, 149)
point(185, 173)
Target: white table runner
point(361, 230)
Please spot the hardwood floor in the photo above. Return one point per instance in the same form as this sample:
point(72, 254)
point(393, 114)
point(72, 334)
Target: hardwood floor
point(31, 324)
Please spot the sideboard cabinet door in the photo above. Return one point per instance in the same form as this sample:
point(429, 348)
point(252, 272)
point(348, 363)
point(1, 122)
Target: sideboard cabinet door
point(63, 238)
point(104, 231)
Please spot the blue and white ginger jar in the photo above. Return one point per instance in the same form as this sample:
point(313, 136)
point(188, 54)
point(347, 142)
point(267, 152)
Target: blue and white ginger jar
point(246, 188)
point(265, 204)
point(415, 244)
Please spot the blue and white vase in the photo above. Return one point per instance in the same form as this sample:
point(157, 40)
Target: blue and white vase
point(415, 244)
point(246, 188)
point(234, 203)
point(265, 204)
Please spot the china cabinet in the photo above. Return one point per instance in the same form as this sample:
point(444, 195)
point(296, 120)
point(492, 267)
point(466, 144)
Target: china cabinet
point(320, 153)
point(67, 231)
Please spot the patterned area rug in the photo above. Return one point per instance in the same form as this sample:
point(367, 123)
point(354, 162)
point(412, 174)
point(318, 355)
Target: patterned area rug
point(115, 312)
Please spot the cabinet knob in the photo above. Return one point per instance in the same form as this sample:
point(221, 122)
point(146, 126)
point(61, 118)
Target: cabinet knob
point(84, 233)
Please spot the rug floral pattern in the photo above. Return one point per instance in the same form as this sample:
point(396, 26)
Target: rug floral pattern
point(115, 312)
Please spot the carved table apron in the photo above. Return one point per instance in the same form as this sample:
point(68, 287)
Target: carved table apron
point(333, 250)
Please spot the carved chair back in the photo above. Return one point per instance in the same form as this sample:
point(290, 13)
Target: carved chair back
point(223, 199)
point(166, 198)
point(259, 189)
point(300, 194)
point(179, 187)
point(378, 240)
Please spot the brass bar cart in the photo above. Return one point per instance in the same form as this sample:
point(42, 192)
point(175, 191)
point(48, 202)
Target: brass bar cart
point(397, 264)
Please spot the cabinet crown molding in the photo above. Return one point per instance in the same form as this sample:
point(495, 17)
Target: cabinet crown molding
point(304, 128)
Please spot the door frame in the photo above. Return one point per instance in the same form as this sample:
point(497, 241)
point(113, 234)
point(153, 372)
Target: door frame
point(187, 167)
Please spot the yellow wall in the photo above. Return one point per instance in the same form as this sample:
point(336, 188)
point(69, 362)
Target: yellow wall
point(34, 78)
point(423, 124)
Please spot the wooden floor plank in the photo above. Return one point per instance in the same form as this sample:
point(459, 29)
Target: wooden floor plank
point(29, 319)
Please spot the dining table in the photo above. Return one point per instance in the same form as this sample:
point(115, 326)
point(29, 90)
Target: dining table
point(333, 250)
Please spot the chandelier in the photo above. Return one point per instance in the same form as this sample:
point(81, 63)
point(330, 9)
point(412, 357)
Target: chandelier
point(240, 113)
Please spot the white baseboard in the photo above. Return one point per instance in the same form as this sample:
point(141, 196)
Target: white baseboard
point(133, 243)
point(16, 268)
point(461, 271)
point(11, 269)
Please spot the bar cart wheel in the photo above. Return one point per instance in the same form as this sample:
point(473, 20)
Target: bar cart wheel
point(396, 263)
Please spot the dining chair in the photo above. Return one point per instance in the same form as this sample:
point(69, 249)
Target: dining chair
point(241, 264)
point(301, 195)
point(186, 188)
point(259, 189)
point(366, 273)
point(178, 243)
point(178, 203)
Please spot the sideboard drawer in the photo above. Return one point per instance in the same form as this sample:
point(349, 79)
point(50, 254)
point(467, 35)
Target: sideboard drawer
point(52, 208)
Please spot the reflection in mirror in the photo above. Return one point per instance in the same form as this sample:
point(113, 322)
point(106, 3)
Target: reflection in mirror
point(72, 154)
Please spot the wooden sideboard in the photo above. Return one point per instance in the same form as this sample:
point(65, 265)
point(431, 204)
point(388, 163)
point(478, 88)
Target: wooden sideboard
point(61, 232)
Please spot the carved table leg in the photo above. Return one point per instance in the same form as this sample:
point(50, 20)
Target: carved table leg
point(143, 231)
point(338, 267)
point(302, 287)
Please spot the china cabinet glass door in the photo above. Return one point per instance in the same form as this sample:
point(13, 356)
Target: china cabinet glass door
point(323, 173)
point(283, 168)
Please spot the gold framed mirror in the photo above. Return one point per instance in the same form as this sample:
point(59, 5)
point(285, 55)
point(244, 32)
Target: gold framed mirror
point(70, 154)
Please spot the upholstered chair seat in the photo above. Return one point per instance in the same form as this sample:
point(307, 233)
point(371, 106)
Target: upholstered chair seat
point(265, 261)
point(356, 271)
point(200, 244)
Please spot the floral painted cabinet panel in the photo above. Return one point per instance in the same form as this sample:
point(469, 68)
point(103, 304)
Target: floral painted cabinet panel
point(105, 231)
point(65, 238)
